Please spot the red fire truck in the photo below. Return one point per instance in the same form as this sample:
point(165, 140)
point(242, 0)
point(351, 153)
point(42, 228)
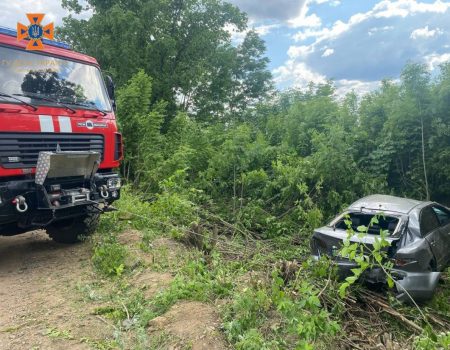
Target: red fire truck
point(59, 144)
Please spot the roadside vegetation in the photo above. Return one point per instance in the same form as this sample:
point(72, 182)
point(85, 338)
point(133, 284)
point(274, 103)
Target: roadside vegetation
point(269, 294)
point(241, 174)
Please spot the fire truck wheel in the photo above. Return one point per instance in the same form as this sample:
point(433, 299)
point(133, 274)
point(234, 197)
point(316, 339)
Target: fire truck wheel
point(76, 229)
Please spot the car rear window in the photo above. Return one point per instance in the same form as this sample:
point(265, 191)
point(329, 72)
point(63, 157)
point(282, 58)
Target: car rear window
point(428, 220)
point(387, 223)
point(443, 215)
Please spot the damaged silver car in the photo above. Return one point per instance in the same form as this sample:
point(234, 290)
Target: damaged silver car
point(419, 236)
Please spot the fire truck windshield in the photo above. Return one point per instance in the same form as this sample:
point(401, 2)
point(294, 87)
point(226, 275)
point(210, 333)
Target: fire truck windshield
point(47, 80)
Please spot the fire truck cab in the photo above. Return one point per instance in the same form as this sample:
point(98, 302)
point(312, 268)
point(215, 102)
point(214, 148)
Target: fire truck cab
point(59, 144)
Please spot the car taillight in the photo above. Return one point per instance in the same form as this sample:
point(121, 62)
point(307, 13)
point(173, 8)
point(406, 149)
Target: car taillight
point(118, 148)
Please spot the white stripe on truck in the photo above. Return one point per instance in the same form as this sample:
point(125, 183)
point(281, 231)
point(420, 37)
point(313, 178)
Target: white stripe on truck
point(46, 122)
point(64, 124)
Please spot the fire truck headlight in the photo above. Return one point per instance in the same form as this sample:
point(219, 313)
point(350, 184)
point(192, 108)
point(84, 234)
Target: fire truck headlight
point(114, 183)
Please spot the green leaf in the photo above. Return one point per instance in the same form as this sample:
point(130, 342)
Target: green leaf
point(362, 228)
point(343, 289)
point(390, 282)
point(351, 279)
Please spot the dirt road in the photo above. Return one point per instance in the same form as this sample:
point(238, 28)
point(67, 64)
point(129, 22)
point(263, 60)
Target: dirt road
point(39, 304)
point(43, 302)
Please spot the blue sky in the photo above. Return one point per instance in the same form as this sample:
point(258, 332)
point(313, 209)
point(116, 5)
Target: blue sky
point(355, 42)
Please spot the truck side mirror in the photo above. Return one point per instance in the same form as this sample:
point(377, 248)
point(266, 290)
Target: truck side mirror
point(110, 87)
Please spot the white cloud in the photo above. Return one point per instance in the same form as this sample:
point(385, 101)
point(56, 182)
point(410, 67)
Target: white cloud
point(434, 60)
point(425, 33)
point(403, 8)
point(299, 51)
point(384, 9)
point(374, 30)
point(327, 52)
point(263, 30)
point(296, 74)
point(369, 46)
point(333, 3)
point(12, 12)
point(238, 37)
point(303, 20)
point(345, 86)
point(337, 29)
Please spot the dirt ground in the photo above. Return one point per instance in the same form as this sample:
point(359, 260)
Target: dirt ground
point(41, 306)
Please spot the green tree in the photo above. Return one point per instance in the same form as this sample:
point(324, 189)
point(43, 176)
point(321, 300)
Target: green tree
point(140, 123)
point(182, 44)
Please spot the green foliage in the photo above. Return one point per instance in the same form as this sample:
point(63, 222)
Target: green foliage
point(431, 341)
point(299, 162)
point(204, 145)
point(259, 310)
point(248, 312)
point(253, 340)
point(109, 256)
point(140, 124)
point(366, 257)
point(198, 280)
point(291, 311)
point(183, 45)
point(56, 333)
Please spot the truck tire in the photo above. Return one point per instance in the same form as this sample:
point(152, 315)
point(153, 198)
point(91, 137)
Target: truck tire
point(76, 229)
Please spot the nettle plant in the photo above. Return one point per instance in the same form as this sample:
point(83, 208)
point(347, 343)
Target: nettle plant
point(366, 257)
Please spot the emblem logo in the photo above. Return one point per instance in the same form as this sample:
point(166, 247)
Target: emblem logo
point(35, 32)
point(91, 125)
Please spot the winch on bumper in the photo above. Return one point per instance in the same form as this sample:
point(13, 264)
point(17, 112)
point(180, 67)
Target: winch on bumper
point(65, 183)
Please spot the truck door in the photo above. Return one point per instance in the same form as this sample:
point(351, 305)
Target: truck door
point(431, 229)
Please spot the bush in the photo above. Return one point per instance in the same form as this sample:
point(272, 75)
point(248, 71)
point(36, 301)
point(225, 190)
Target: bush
point(109, 256)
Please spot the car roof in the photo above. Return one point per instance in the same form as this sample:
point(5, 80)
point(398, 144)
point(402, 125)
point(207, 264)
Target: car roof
point(384, 202)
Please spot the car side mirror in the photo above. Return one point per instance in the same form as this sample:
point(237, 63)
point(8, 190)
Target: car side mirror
point(111, 87)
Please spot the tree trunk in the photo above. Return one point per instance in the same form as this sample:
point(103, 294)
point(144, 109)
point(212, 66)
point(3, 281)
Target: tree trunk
point(423, 161)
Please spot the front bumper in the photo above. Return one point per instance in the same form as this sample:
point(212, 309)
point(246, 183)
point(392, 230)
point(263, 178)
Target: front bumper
point(64, 185)
point(417, 285)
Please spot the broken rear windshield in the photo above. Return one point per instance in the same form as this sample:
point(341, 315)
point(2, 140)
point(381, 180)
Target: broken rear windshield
point(387, 223)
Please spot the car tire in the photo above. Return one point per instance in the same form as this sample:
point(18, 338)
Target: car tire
point(76, 229)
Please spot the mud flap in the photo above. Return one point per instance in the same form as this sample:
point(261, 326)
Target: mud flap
point(419, 285)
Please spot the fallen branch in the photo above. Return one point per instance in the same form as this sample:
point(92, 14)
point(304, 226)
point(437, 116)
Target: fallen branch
point(389, 310)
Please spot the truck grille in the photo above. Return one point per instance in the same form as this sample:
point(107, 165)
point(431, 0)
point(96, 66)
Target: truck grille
point(21, 150)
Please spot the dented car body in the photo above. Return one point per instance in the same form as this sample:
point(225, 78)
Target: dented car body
point(419, 237)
